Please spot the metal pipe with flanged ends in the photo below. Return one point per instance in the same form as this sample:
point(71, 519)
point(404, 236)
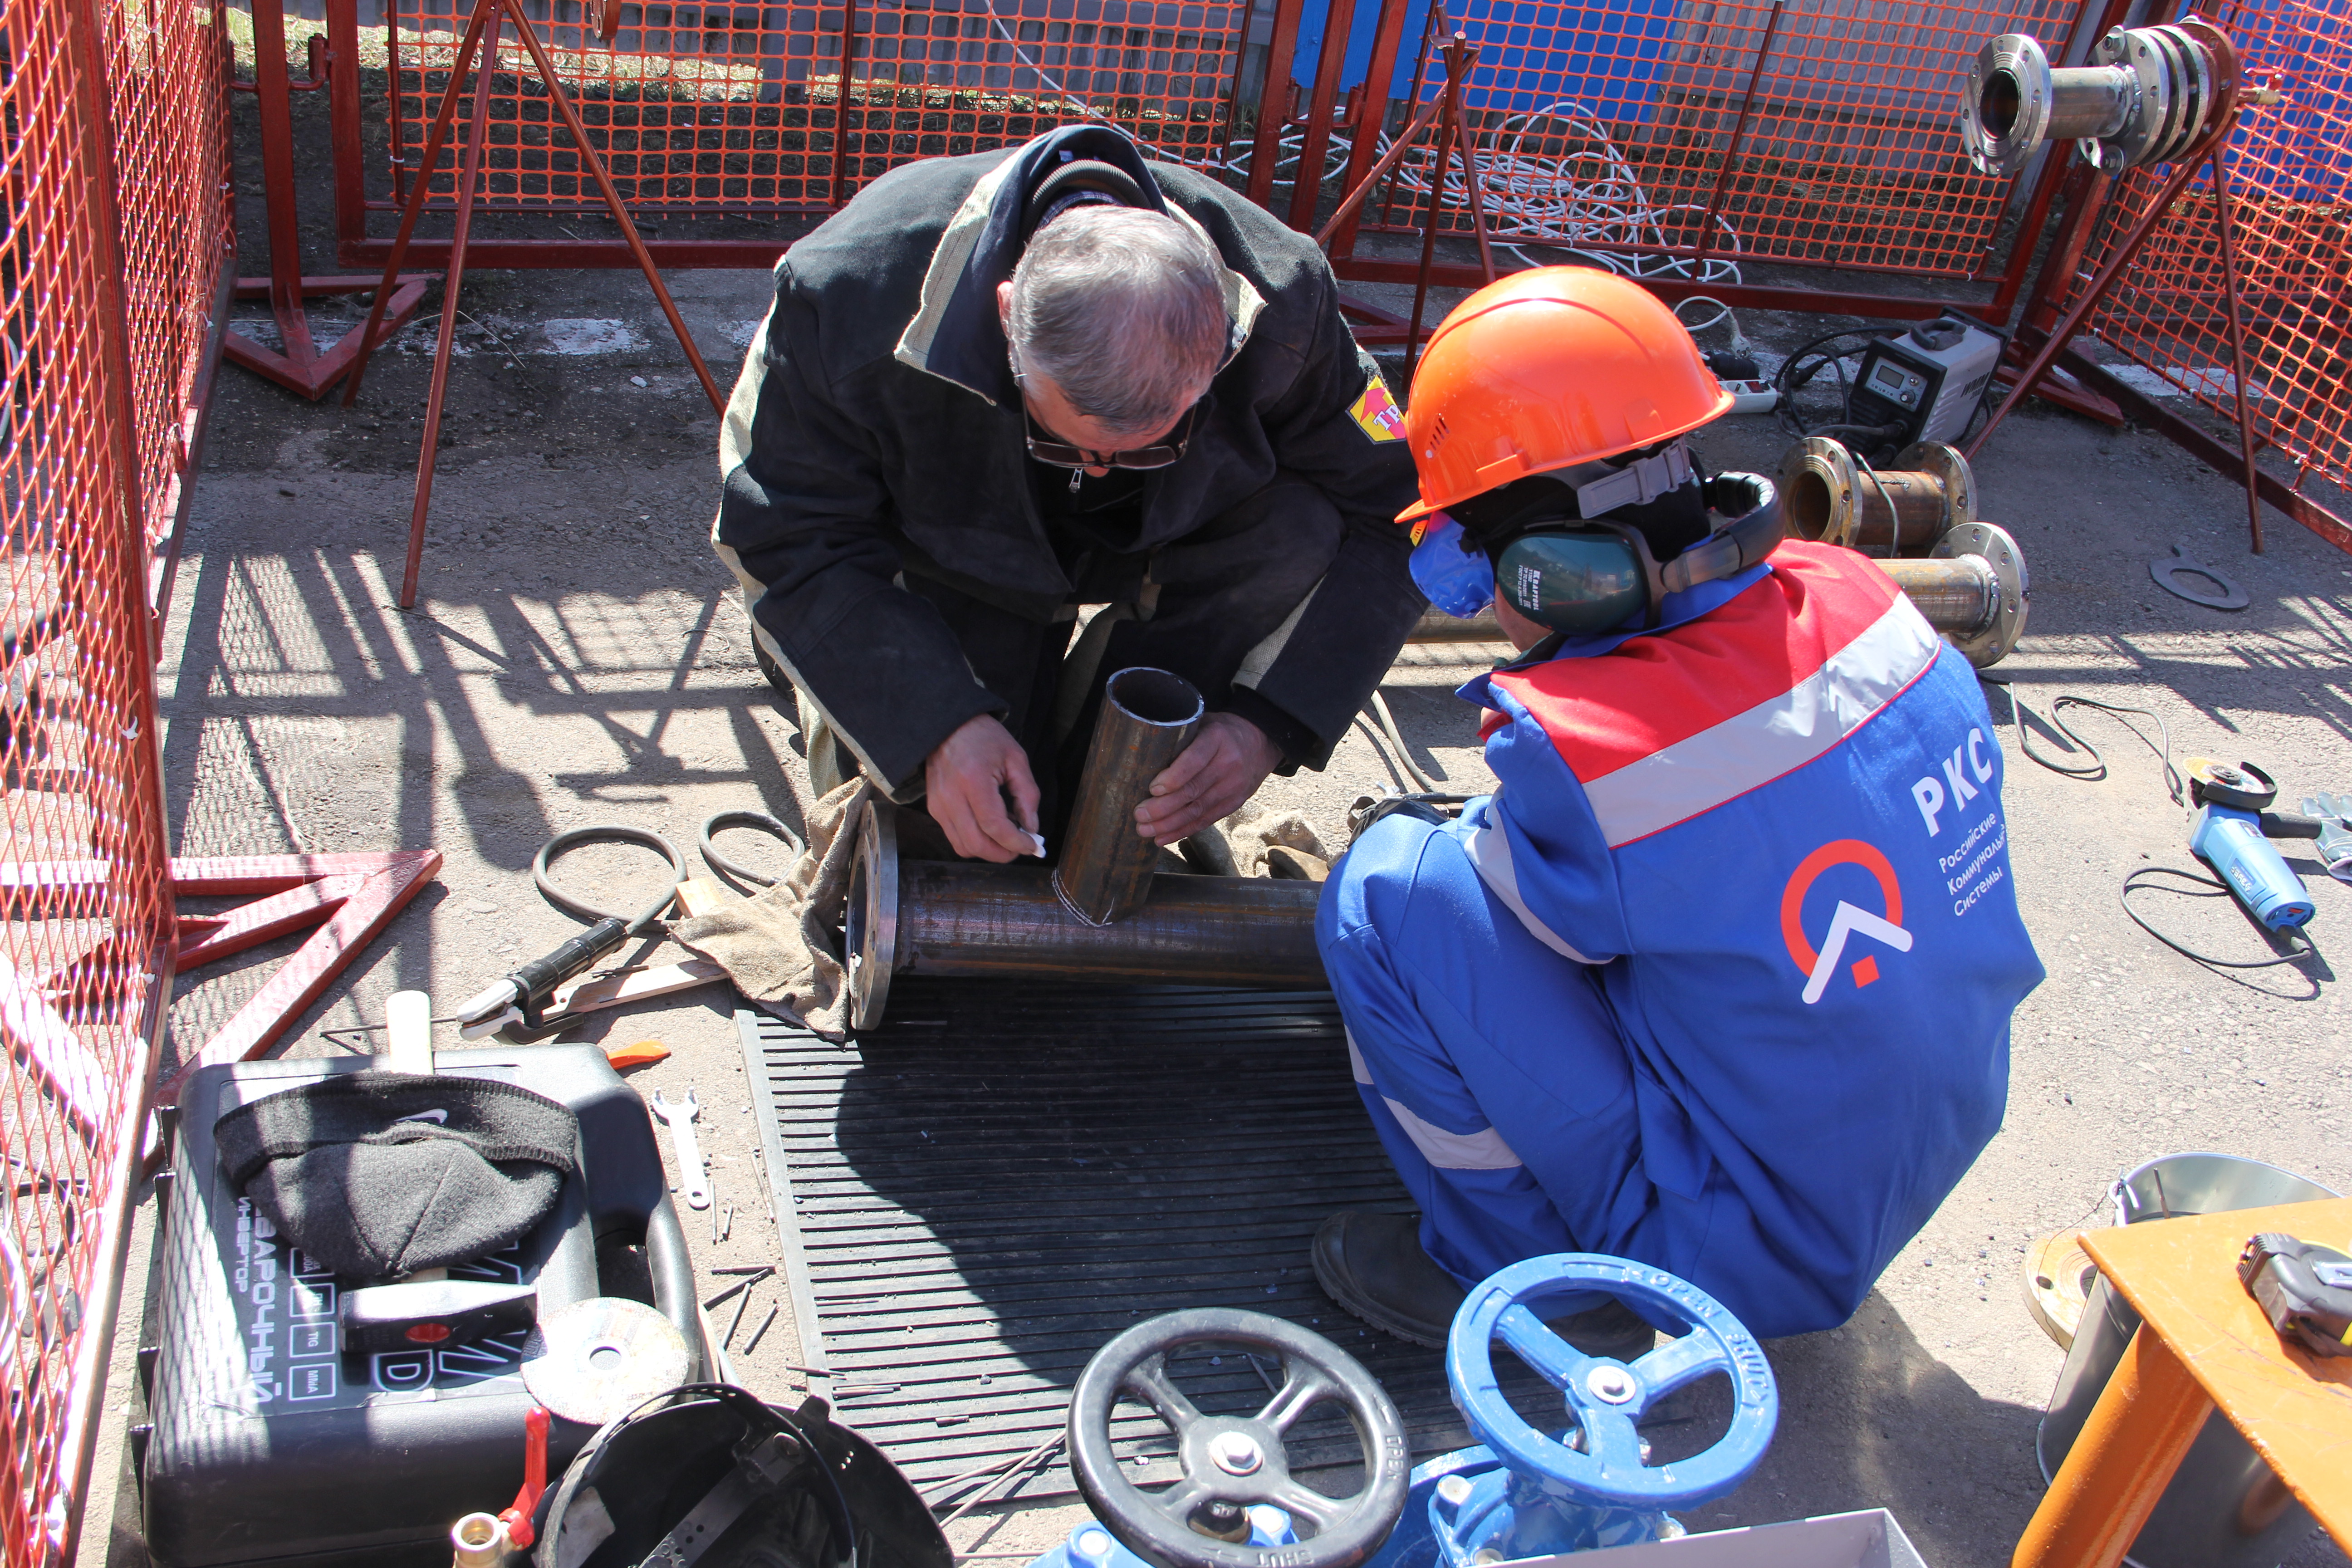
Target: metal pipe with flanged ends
point(1974, 591)
point(970, 919)
point(2149, 95)
point(1902, 510)
point(1148, 718)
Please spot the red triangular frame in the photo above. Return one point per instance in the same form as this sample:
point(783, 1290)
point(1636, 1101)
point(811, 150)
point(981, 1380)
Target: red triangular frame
point(355, 896)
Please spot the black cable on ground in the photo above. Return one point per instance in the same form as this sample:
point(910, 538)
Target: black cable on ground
point(743, 876)
point(1794, 375)
point(2097, 767)
point(2219, 890)
point(607, 833)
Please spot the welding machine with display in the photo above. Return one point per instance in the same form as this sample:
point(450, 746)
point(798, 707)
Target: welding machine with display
point(282, 1428)
point(1925, 384)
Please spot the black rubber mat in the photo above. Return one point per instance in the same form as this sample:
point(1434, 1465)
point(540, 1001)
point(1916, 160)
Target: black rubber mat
point(979, 1195)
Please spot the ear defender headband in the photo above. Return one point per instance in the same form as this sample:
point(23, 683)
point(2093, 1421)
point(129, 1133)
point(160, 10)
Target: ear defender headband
point(1078, 183)
point(1584, 577)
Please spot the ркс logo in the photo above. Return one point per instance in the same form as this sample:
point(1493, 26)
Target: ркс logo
point(1848, 919)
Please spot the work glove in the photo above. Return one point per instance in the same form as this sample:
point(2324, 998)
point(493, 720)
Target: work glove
point(2333, 813)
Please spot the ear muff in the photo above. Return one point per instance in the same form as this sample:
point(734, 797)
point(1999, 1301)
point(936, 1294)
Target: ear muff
point(1579, 581)
point(1754, 532)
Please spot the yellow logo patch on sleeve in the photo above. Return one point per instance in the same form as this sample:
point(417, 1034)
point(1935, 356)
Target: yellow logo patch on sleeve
point(1376, 414)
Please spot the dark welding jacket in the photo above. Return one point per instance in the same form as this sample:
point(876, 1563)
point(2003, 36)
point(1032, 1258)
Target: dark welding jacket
point(877, 430)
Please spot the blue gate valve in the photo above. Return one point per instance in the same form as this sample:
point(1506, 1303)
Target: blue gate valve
point(1520, 1493)
point(1526, 1493)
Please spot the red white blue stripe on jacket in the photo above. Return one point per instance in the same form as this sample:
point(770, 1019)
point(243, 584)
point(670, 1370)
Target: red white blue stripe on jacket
point(1776, 826)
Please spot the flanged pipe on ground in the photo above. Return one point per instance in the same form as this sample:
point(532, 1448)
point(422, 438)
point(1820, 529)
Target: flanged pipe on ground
point(972, 918)
point(1903, 510)
point(2149, 95)
point(1974, 590)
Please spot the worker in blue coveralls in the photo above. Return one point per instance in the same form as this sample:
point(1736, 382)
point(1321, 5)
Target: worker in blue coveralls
point(1719, 978)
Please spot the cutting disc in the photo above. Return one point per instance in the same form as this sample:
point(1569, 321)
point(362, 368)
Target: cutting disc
point(601, 1358)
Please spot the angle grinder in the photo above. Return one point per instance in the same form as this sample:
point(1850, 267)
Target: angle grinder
point(2234, 826)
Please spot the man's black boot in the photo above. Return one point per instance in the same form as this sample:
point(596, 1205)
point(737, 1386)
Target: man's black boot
point(1372, 1266)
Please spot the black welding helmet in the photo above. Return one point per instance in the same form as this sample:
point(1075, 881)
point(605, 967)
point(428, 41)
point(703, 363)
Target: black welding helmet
point(708, 1477)
point(1589, 548)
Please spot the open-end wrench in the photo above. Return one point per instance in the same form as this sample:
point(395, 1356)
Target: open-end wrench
point(690, 1153)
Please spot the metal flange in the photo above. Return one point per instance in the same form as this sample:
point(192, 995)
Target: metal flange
point(2005, 112)
point(870, 932)
point(1828, 497)
point(1991, 642)
point(2148, 96)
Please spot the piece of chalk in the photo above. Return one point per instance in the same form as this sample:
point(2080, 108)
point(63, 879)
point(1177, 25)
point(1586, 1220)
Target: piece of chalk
point(1037, 843)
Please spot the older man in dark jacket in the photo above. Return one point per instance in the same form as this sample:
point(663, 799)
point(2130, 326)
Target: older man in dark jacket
point(982, 402)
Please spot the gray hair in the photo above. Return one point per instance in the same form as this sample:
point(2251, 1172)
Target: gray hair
point(1120, 310)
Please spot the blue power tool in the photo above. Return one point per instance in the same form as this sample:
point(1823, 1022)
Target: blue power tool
point(1522, 1492)
point(2233, 833)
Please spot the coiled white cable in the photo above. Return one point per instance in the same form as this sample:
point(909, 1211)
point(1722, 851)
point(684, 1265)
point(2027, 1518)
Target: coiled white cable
point(1573, 201)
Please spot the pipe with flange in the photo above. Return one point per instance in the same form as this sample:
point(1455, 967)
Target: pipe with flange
point(1974, 591)
point(974, 919)
point(2148, 96)
point(1903, 510)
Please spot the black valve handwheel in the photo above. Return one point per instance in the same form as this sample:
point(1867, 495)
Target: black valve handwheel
point(1233, 1462)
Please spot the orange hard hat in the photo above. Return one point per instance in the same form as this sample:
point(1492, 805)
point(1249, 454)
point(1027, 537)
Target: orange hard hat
point(1547, 368)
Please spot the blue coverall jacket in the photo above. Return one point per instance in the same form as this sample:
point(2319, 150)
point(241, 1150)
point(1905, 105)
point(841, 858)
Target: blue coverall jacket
point(1720, 977)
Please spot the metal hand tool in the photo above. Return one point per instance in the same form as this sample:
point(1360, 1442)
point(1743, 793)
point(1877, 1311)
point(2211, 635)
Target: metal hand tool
point(690, 1153)
point(2228, 836)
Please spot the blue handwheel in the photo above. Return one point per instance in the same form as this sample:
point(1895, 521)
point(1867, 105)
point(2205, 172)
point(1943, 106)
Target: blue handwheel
point(1606, 1398)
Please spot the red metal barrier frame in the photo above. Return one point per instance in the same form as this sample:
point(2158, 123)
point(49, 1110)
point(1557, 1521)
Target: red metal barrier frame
point(2090, 21)
point(355, 895)
point(2208, 448)
point(301, 366)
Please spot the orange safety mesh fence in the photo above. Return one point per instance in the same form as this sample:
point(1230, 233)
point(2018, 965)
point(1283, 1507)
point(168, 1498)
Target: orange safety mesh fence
point(1823, 135)
point(2290, 181)
point(165, 69)
point(106, 303)
point(716, 108)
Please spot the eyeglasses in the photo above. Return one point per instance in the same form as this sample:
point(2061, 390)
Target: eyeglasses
point(1062, 455)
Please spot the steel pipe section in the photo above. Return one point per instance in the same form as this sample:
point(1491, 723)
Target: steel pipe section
point(1905, 509)
point(2148, 96)
point(973, 919)
point(1974, 589)
point(1148, 718)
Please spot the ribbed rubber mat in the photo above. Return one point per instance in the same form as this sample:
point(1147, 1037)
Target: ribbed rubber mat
point(986, 1189)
